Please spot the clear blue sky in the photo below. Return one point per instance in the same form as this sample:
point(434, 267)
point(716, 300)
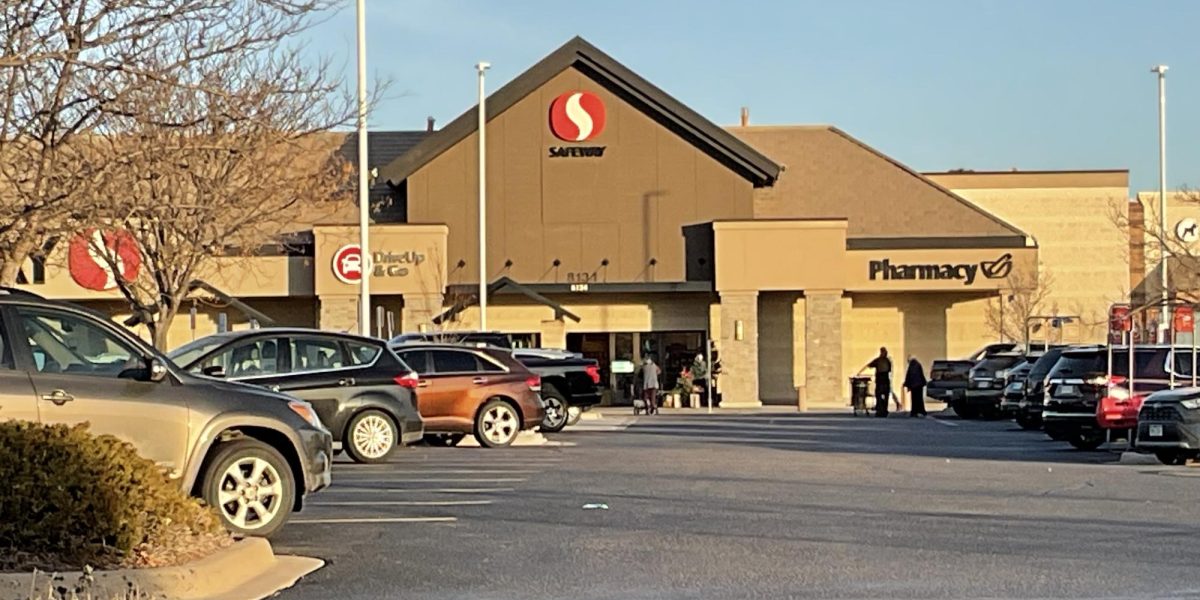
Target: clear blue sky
point(937, 84)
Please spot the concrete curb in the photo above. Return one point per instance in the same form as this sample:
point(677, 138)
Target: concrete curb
point(247, 570)
point(1136, 458)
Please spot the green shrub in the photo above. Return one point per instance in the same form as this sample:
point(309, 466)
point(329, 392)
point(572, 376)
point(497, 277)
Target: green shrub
point(68, 498)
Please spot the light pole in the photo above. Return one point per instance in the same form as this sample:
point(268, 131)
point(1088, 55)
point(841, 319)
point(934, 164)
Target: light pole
point(481, 68)
point(1161, 70)
point(364, 183)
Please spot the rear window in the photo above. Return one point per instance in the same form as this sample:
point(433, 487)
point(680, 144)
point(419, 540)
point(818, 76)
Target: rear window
point(995, 363)
point(362, 354)
point(1079, 364)
point(1042, 367)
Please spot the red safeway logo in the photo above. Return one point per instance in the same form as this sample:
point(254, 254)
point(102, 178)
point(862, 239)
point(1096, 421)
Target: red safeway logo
point(348, 264)
point(95, 258)
point(577, 116)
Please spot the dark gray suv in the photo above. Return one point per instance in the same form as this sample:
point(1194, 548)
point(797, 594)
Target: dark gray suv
point(251, 453)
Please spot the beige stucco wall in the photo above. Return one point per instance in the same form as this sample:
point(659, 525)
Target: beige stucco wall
point(1083, 254)
point(287, 312)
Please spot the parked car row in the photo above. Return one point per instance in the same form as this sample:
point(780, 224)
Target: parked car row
point(1087, 395)
point(249, 420)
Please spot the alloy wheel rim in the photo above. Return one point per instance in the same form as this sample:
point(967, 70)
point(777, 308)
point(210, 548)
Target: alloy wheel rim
point(251, 493)
point(499, 424)
point(555, 412)
point(373, 436)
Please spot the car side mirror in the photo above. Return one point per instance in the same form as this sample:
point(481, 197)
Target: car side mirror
point(157, 371)
point(213, 371)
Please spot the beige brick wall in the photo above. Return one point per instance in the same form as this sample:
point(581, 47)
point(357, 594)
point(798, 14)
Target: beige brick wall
point(339, 313)
point(780, 346)
point(739, 358)
point(598, 313)
point(824, 343)
point(1080, 245)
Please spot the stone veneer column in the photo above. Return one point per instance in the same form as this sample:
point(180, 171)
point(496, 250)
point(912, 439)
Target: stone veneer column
point(339, 313)
point(554, 334)
point(739, 358)
point(420, 309)
point(823, 348)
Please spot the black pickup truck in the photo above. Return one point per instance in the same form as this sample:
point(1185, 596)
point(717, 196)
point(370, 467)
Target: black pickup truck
point(570, 383)
point(948, 378)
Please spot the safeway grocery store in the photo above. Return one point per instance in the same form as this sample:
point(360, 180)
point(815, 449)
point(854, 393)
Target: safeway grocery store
point(621, 223)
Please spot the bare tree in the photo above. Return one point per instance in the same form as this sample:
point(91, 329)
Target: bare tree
point(241, 149)
point(1025, 296)
point(68, 67)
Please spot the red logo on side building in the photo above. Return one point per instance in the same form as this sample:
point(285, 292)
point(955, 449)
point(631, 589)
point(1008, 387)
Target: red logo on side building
point(95, 258)
point(348, 264)
point(577, 116)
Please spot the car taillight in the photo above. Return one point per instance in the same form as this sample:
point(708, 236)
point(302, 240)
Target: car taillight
point(593, 371)
point(408, 380)
point(534, 383)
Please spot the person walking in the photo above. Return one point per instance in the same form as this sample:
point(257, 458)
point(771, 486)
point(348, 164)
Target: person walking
point(914, 382)
point(883, 381)
point(650, 372)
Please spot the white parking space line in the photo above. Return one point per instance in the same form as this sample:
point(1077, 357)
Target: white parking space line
point(374, 520)
point(946, 423)
point(448, 472)
point(440, 480)
point(405, 503)
point(361, 490)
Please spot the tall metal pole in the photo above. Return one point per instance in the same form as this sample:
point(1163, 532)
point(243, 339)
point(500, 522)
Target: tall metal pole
point(1161, 70)
point(364, 181)
point(483, 280)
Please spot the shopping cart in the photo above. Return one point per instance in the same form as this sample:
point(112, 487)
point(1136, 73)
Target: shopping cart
point(860, 391)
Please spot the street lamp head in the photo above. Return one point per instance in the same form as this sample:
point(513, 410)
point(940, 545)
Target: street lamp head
point(1160, 69)
point(483, 66)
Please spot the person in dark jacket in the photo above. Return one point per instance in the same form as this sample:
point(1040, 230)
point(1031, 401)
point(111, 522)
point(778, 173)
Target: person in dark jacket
point(883, 381)
point(914, 382)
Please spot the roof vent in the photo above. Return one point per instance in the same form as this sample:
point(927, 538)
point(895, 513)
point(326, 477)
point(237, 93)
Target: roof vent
point(429, 124)
point(745, 116)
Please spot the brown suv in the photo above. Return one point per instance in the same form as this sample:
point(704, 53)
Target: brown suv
point(250, 453)
point(479, 391)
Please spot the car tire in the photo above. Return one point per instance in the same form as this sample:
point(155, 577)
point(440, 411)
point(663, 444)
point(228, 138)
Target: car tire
point(556, 409)
point(444, 440)
point(231, 489)
point(371, 437)
point(574, 414)
point(497, 424)
point(1171, 457)
point(966, 412)
point(1086, 441)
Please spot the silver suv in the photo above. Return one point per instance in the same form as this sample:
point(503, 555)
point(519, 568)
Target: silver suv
point(251, 453)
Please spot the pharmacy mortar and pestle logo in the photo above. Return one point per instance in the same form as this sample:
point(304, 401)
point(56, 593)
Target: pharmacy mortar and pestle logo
point(997, 269)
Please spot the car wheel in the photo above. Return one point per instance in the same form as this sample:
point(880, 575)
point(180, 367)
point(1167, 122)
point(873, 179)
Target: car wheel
point(370, 437)
point(251, 486)
point(574, 414)
point(444, 440)
point(556, 410)
point(497, 424)
point(1086, 441)
point(1171, 457)
point(966, 412)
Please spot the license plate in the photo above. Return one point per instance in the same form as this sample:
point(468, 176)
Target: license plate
point(1156, 431)
point(983, 385)
point(1066, 390)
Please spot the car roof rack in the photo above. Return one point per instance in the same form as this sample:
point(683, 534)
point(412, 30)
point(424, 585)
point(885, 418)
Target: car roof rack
point(20, 293)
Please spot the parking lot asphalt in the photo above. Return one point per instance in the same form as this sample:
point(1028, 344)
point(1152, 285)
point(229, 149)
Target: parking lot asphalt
point(755, 505)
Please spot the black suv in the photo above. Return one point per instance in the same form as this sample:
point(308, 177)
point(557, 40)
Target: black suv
point(362, 391)
point(1029, 411)
point(985, 386)
point(1014, 386)
point(1084, 401)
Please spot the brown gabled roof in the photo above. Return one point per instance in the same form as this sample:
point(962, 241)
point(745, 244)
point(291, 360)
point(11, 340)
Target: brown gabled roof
point(604, 70)
point(828, 173)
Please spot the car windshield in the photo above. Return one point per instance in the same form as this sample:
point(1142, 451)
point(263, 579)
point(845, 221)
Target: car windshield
point(192, 351)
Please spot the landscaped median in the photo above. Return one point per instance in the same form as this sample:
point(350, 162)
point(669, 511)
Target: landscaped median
point(84, 516)
point(247, 570)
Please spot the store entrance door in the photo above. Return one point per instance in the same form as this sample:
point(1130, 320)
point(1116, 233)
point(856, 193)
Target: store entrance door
point(620, 354)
